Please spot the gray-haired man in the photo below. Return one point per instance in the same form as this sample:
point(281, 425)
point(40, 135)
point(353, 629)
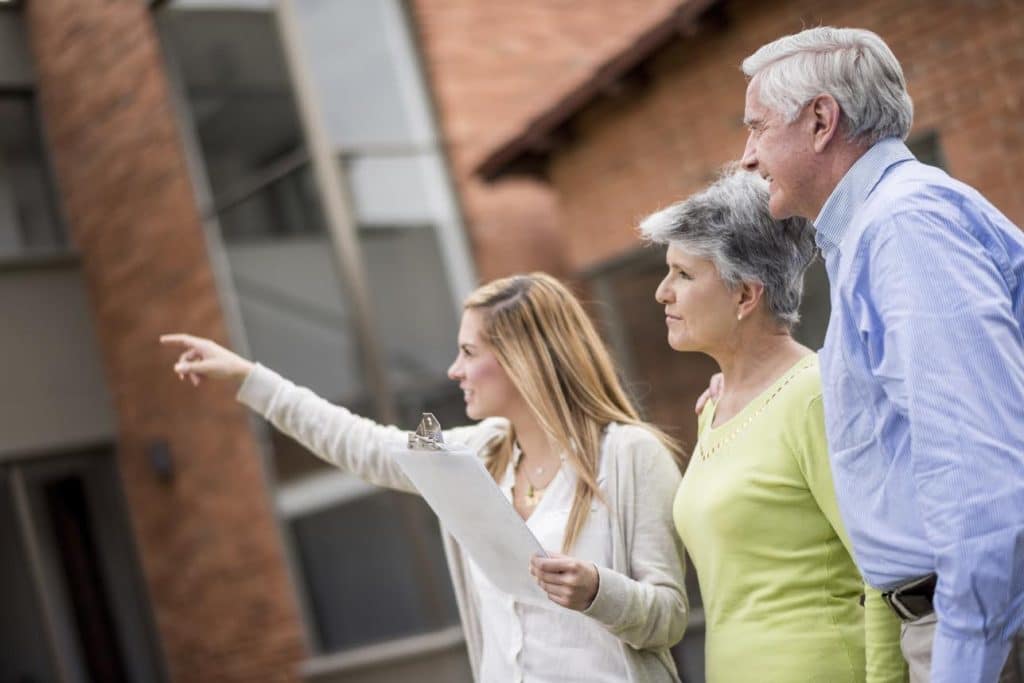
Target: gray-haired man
point(923, 365)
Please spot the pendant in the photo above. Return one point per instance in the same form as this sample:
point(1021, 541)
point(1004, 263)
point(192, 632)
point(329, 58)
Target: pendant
point(531, 495)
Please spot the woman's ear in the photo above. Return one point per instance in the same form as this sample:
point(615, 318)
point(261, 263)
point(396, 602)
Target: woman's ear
point(750, 294)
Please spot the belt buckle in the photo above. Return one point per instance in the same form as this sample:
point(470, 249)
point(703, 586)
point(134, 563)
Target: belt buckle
point(902, 611)
point(920, 591)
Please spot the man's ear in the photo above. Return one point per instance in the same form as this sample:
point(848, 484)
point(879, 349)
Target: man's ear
point(826, 116)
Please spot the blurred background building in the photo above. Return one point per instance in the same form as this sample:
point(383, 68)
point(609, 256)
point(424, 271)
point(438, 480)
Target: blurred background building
point(319, 183)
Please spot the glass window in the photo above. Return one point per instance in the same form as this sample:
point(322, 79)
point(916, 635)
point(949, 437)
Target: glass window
point(286, 206)
point(295, 318)
point(15, 58)
point(24, 650)
point(927, 148)
point(28, 218)
point(281, 259)
point(231, 67)
point(416, 319)
point(392, 189)
point(365, 71)
point(374, 569)
point(371, 563)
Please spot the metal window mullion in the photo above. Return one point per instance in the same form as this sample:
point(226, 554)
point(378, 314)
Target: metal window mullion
point(227, 292)
point(37, 569)
point(337, 207)
point(386, 150)
point(451, 234)
point(259, 181)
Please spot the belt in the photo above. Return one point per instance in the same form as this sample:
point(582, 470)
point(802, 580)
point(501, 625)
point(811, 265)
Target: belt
point(912, 600)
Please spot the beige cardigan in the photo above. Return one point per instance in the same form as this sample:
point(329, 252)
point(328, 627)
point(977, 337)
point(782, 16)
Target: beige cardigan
point(641, 599)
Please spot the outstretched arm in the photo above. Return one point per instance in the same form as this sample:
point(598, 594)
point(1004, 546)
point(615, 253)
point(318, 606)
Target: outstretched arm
point(351, 443)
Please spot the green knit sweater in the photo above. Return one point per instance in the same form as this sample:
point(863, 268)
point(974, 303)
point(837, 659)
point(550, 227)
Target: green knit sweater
point(757, 512)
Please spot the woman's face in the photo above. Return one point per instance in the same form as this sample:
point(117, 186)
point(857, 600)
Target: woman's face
point(700, 309)
point(485, 385)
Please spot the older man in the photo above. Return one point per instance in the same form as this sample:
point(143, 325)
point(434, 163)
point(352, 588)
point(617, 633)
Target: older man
point(923, 365)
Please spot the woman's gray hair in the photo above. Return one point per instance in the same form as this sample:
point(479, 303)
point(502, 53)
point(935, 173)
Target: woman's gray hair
point(854, 66)
point(729, 224)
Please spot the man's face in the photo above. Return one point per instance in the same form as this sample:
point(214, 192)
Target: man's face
point(782, 153)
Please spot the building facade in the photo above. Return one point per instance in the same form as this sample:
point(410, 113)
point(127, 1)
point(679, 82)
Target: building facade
point(662, 116)
point(293, 179)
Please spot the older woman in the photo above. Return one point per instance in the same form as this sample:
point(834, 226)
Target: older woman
point(756, 507)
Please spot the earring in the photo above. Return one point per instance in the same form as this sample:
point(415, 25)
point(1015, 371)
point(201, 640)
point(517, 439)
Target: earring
point(739, 316)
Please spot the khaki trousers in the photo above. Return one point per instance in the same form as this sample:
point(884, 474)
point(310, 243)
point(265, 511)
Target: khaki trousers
point(916, 643)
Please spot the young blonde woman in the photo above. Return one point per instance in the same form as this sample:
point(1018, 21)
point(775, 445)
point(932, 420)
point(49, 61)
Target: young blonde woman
point(566, 446)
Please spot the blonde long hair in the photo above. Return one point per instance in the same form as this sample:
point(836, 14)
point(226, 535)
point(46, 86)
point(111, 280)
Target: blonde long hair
point(552, 354)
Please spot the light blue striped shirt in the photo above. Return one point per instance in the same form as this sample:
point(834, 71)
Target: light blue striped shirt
point(923, 374)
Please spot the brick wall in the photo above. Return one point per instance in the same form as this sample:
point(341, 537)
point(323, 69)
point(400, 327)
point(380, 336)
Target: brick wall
point(664, 136)
point(208, 542)
point(491, 66)
point(652, 145)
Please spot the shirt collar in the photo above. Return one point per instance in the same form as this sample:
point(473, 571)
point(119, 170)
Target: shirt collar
point(848, 196)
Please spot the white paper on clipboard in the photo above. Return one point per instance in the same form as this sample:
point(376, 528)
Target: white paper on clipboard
point(472, 508)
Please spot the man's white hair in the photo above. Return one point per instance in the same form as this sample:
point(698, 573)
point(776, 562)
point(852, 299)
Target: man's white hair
point(854, 66)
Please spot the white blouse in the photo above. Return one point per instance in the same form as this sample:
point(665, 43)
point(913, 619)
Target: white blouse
point(530, 644)
point(640, 600)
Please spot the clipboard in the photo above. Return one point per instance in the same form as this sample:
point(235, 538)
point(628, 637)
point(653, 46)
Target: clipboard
point(471, 507)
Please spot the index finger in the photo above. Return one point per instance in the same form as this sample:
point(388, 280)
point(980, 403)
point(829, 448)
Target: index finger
point(180, 339)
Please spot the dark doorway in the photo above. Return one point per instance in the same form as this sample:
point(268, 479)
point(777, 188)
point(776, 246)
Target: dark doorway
point(74, 608)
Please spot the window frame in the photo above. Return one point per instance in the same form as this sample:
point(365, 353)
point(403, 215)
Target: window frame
point(62, 247)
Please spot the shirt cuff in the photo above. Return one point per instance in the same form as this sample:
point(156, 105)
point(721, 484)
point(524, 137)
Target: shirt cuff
point(258, 388)
point(955, 660)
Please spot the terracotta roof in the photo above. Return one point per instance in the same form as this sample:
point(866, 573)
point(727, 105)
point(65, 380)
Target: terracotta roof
point(527, 150)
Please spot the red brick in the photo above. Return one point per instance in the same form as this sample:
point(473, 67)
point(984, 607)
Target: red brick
point(631, 155)
point(492, 65)
point(210, 551)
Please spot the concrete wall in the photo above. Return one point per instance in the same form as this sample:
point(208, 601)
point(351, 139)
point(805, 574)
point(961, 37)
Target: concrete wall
point(54, 395)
